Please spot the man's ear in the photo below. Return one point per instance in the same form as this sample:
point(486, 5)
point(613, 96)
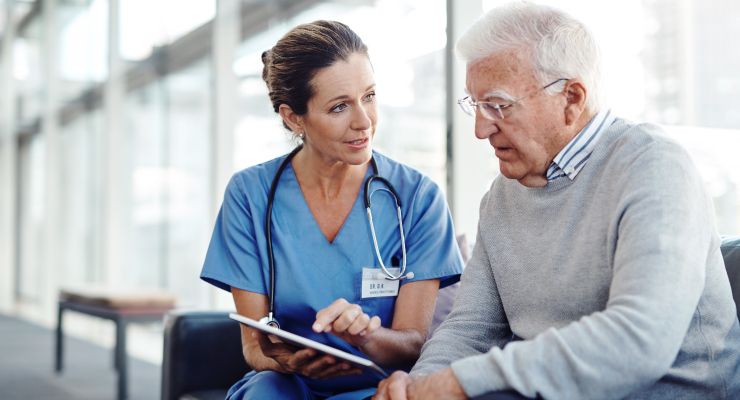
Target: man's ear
point(575, 95)
point(293, 120)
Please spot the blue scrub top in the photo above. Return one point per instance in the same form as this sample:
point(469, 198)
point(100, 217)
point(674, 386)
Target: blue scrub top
point(312, 272)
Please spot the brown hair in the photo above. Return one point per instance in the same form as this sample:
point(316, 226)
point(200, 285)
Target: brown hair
point(295, 59)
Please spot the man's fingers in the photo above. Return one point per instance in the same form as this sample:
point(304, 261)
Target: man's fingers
point(397, 390)
point(397, 386)
point(380, 394)
point(326, 316)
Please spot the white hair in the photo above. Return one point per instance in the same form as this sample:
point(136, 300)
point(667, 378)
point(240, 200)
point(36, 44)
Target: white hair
point(558, 45)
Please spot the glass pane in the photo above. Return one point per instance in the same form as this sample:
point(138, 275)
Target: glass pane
point(408, 58)
point(27, 64)
point(144, 121)
point(31, 161)
point(146, 24)
point(83, 46)
point(188, 201)
point(715, 153)
point(259, 135)
point(673, 67)
point(170, 166)
point(80, 199)
point(5, 219)
point(3, 15)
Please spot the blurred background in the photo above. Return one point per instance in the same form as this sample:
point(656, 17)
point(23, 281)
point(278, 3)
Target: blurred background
point(122, 120)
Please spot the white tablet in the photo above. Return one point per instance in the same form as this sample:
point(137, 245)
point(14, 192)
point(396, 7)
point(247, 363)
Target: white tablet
point(305, 342)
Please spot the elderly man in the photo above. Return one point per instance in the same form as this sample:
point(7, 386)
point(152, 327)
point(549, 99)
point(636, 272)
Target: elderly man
point(597, 271)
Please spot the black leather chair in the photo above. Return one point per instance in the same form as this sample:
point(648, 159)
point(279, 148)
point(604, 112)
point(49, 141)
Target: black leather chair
point(202, 350)
point(202, 355)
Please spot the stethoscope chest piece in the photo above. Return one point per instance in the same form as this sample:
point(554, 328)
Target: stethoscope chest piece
point(269, 320)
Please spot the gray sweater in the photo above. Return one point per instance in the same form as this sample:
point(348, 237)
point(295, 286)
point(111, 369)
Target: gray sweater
point(614, 281)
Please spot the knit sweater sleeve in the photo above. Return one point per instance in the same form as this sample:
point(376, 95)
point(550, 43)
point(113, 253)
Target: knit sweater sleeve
point(477, 319)
point(665, 233)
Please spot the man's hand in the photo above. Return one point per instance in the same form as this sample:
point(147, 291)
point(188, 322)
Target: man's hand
point(439, 385)
point(394, 387)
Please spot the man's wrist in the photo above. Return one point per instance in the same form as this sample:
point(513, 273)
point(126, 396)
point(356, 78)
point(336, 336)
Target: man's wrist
point(452, 382)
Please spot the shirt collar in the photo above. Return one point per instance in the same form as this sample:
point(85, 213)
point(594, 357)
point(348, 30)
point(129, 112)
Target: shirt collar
point(571, 159)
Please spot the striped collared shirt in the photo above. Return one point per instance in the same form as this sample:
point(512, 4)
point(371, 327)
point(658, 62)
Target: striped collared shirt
point(574, 155)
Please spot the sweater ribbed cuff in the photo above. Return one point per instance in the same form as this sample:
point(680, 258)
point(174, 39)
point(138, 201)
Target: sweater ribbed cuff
point(478, 375)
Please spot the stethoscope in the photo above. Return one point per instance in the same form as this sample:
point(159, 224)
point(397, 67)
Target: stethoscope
point(386, 273)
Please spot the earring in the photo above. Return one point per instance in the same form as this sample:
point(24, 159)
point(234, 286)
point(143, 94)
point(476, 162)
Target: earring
point(301, 135)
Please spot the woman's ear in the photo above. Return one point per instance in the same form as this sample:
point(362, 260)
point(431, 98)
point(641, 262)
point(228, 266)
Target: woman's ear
point(575, 95)
point(293, 120)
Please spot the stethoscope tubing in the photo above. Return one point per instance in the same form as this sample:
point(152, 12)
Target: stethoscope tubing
point(270, 319)
point(268, 235)
point(388, 274)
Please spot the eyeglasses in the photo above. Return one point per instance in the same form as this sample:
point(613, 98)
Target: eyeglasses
point(492, 110)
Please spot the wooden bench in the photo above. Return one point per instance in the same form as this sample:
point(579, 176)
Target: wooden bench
point(121, 307)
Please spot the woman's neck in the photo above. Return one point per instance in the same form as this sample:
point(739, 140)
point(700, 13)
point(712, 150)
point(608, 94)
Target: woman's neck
point(326, 177)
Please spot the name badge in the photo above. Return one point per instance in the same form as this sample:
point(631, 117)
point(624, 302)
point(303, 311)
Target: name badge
point(374, 283)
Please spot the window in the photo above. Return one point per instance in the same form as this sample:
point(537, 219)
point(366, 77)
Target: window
point(408, 58)
point(31, 207)
point(81, 200)
point(672, 67)
point(83, 46)
point(146, 25)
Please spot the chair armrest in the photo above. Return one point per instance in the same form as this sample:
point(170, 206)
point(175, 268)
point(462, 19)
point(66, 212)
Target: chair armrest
point(202, 351)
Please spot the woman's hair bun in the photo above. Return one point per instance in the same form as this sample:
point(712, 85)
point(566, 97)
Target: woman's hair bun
point(266, 63)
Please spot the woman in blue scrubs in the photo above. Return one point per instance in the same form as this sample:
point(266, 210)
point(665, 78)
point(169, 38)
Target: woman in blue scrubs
point(321, 83)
